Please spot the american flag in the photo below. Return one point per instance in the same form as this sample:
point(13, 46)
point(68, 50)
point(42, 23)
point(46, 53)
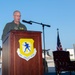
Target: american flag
point(59, 46)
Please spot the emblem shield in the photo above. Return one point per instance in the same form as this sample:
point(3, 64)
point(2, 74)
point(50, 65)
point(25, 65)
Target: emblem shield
point(26, 50)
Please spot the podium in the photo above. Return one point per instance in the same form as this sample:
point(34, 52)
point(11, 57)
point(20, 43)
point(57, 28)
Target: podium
point(22, 53)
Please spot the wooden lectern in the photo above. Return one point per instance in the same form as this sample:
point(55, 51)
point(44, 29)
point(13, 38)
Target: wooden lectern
point(31, 63)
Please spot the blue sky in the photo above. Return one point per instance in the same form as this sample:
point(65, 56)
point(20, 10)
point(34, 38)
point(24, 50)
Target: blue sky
point(57, 13)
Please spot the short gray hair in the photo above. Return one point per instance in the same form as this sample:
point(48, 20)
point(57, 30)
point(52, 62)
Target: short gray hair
point(16, 11)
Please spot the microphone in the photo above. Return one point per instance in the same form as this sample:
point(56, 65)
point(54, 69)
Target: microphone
point(29, 22)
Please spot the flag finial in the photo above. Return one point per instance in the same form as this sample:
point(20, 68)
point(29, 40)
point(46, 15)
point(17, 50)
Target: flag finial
point(57, 29)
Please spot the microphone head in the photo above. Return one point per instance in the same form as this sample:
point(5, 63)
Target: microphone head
point(23, 21)
point(29, 22)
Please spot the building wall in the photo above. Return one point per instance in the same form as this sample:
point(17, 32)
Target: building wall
point(74, 49)
point(71, 53)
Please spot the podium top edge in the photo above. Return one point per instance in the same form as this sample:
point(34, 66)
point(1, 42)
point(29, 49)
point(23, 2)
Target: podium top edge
point(23, 31)
point(18, 31)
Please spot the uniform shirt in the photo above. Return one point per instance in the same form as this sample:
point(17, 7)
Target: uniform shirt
point(12, 26)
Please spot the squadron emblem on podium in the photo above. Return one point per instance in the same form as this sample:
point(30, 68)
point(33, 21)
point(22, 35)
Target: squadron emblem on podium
point(26, 50)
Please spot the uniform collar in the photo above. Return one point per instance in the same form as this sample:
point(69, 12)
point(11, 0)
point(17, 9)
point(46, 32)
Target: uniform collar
point(15, 23)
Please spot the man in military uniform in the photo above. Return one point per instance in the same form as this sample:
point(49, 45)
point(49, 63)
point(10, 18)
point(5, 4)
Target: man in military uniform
point(14, 25)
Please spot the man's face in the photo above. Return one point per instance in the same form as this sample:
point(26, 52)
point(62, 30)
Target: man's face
point(17, 16)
